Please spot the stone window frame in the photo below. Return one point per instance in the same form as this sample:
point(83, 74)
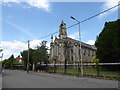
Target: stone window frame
point(89, 52)
point(84, 52)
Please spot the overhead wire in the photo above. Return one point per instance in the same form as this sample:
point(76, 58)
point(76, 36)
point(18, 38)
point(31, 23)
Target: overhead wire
point(95, 15)
point(81, 21)
point(19, 48)
point(73, 25)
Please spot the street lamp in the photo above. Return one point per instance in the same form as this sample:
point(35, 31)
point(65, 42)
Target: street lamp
point(80, 44)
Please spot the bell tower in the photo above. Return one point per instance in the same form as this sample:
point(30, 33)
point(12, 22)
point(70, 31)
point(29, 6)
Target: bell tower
point(62, 31)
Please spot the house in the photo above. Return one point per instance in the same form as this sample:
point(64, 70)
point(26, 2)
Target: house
point(19, 59)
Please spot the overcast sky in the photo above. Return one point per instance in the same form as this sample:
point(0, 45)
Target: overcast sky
point(24, 20)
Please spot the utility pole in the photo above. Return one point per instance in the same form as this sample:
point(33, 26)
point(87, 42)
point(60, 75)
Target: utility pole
point(1, 56)
point(28, 57)
point(1, 64)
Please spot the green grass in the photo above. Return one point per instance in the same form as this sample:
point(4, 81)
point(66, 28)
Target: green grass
point(109, 73)
point(88, 71)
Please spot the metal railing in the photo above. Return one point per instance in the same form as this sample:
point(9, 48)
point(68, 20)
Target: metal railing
point(89, 69)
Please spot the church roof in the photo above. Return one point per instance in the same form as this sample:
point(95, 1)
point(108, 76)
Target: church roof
point(77, 42)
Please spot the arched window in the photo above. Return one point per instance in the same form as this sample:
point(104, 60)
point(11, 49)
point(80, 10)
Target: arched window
point(84, 52)
point(89, 53)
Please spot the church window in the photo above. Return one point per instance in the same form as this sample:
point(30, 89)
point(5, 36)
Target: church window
point(93, 53)
point(84, 52)
point(89, 53)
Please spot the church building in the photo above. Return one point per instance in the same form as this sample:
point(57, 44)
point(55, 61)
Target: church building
point(65, 49)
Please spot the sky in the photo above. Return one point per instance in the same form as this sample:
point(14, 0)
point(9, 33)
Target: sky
point(24, 20)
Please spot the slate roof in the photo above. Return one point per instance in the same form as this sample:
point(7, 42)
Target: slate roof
point(77, 42)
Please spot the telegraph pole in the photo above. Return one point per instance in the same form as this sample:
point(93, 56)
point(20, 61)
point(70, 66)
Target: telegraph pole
point(1, 56)
point(28, 57)
point(1, 63)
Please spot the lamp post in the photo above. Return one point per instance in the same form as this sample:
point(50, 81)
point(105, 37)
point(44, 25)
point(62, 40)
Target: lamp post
point(80, 44)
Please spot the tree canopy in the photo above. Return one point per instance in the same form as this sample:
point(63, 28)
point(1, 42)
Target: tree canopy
point(24, 55)
point(108, 43)
point(9, 63)
point(38, 55)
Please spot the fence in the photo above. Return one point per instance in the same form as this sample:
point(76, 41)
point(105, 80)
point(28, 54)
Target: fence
point(89, 69)
point(19, 67)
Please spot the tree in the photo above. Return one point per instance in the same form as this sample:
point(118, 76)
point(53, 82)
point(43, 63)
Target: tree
point(40, 54)
point(24, 55)
point(108, 43)
point(9, 63)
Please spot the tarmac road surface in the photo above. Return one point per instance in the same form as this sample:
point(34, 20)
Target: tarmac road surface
point(21, 79)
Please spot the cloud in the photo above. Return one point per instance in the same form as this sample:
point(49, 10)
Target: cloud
point(91, 42)
point(43, 4)
point(12, 45)
point(15, 47)
point(108, 4)
point(76, 35)
point(34, 43)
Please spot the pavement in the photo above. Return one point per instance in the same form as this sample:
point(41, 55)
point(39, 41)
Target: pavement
point(22, 79)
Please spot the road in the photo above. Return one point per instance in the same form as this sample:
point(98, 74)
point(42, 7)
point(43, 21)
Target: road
point(20, 79)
